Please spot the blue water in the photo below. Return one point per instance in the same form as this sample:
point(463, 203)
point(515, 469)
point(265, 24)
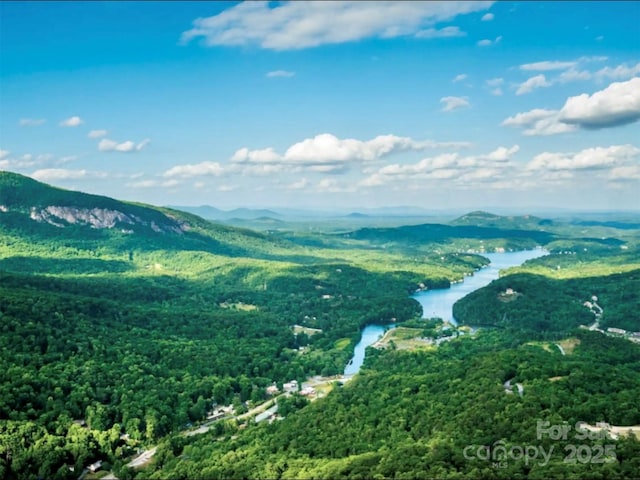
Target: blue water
point(439, 303)
point(370, 334)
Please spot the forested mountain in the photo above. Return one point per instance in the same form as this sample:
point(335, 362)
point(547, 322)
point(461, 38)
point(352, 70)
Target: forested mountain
point(123, 324)
point(486, 219)
point(494, 237)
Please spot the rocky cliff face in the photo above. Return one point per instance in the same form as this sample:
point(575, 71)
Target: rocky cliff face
point(102, 218)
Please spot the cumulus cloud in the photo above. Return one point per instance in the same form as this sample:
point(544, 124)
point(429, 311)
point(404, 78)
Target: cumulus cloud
point(49, 174)
point(487, 17)
point(106, 145)
point(462, 170)
point(265, 155)
point(618, 104)
point(324, 153)
point(588, 159)
point(74, 121)
point(297, 25)
point(280, 73)
point(459, 78)
point(532, 83)
point(487, 43)
point(212, 169)
point(327, 149)
point(25, 160)
point(454, 103)
point(539, 122)
point(445, 32)
point(31, 122)
point(97, 133)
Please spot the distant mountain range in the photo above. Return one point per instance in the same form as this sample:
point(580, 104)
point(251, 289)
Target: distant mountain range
point(213, 213)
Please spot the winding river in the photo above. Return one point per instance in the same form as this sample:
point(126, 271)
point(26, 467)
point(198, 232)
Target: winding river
point(439, 303)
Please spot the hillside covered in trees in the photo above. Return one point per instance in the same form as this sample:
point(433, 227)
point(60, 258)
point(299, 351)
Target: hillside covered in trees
point(125, 324)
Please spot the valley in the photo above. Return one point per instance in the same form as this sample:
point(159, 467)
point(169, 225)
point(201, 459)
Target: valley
point(125, 325)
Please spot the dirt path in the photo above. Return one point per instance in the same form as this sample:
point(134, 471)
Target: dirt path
point(142, 459)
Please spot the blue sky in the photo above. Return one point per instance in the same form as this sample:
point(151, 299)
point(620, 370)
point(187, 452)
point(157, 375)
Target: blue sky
point(326, 104)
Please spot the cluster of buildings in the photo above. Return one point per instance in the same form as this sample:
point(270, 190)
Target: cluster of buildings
point(291, 387)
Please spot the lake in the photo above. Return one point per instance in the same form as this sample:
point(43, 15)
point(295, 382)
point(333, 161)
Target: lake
point(439, 303)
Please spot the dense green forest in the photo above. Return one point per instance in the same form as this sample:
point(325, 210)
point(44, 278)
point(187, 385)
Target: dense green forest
point(412, 414)
point(125, 324)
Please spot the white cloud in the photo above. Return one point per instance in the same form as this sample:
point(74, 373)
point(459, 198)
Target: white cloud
point(532, 83)
point(574, 70)
point(502, 154)
point(97, 133)
point(539, 122)
point(48, 174)
point(328, 148)
point(74, 121)
point(487, 17)
point(31, 122)
point(460, 77)
point(495, 85)
point(326, 152)
point(453, 103)
point(573, 75)
point(213, 169)
point(266, 155)
point(487, 43)
point(446, 32)
point(618, 104)
point(4, 153)
point(297, 25)
point(548, 65)
point(461, 170)
point(621, 72)
point(625, 173)
point(589, 159)
point(280, 73)
point(106, 145)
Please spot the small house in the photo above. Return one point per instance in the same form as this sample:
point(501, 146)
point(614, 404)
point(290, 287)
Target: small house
point(94, 467)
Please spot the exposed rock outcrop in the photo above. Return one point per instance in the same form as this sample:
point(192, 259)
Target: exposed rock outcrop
point(101, 218)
